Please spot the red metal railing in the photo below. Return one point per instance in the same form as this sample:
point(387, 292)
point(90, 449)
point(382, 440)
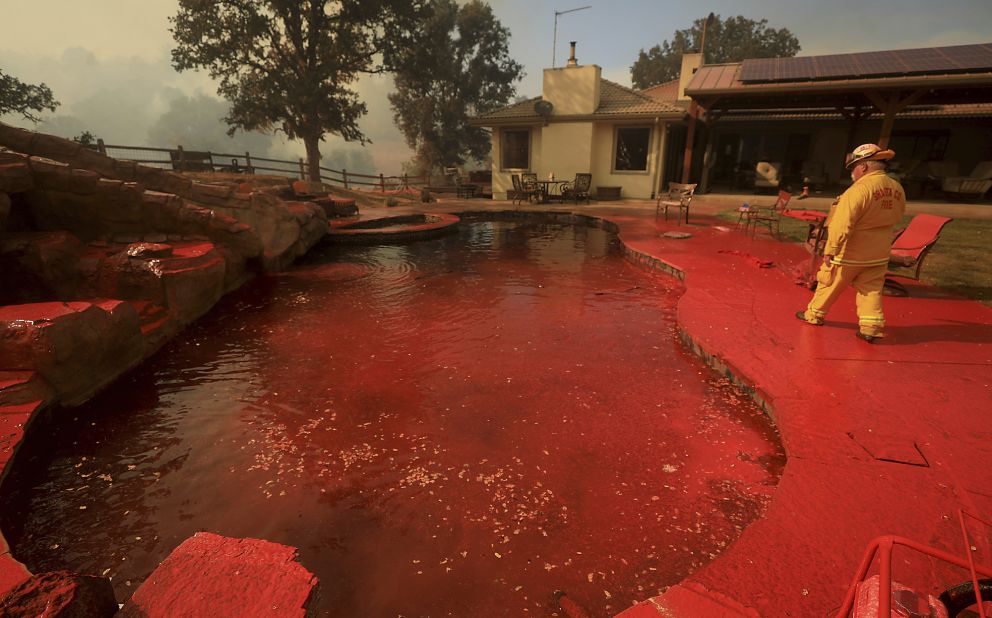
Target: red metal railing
point(883, 546)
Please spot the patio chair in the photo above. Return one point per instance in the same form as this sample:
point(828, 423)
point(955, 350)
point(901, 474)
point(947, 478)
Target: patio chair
point(974, 186)
point(910, 248)
point(578, 189)
point(462, 187)
point(767, 175)
point(520, 193)
point(679, 196)
point(529, 181)
point(768, 216)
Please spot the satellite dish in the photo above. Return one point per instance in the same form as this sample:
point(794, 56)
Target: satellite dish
point(543, 108)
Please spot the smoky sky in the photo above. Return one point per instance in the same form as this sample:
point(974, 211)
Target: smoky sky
point(134, 101)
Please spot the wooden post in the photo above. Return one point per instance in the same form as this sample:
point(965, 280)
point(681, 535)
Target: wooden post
point(704, 181)
point(690, 136)
point(182, 158)
point(344, 177)
point(100, 146)
point(890, 106)
point(250, 170)
point(406, 182)
point(382, 183)
point(303, 170)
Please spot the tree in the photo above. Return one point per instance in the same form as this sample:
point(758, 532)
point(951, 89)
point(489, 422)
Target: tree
point(21, 98)
point(289, 64)
point(460, 67)
point(85, 138)
point(729, 40)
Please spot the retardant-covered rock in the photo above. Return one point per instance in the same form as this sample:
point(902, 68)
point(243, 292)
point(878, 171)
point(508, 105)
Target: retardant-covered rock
point(60, 594)
point(221, 576)
point(77, 347)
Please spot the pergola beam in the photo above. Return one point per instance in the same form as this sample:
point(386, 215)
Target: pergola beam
point(889, 106)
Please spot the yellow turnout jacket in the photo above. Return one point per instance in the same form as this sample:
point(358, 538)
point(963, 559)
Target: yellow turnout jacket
point(859, 230)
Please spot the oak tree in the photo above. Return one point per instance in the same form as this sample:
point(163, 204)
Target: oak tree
point(459, 67)
point(727, 40)
point(24, 99)
point(291, 65)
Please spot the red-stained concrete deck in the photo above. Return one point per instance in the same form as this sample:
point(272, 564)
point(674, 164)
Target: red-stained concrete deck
point(884, 439)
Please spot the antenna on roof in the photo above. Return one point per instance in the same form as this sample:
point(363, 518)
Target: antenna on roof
point(554, 39)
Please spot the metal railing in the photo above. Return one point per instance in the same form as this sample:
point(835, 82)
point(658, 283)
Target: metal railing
point(182, 160)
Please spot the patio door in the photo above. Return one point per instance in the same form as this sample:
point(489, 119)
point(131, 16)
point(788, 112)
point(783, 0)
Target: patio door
point(674, 155)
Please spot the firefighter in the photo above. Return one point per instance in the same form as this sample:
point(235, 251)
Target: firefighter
point(859, 238)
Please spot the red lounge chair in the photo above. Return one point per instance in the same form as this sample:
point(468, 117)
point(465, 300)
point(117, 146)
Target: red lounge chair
point(910, 248)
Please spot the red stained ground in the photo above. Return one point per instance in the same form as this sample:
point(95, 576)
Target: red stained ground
point(442, 428)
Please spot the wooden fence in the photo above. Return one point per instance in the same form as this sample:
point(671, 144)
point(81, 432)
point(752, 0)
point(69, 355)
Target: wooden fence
point(182, 160)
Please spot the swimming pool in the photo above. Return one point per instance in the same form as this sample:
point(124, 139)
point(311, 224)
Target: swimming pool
point(453, 427)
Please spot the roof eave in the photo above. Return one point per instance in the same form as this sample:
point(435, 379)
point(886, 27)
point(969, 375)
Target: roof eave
point(536, 120)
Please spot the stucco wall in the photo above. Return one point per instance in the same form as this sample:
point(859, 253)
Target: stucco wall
point(566, 149)
point(634, 184)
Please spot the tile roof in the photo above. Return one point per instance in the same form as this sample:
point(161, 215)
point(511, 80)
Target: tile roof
point(523, 109)
point(666, 91)
point(614, 100)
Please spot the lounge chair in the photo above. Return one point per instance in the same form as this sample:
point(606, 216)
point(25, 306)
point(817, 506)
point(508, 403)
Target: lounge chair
point(767, 175)
point(910, 248)
point(679, 196)
point(769, 216)
point(974, 186)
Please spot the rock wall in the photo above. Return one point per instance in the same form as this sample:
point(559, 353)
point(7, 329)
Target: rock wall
point(101, 262)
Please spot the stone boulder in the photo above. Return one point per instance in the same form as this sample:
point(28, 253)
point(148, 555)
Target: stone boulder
point(186, 277)
point(38, 266)
point(76, 347)
point(209, 574)
point(60, 594)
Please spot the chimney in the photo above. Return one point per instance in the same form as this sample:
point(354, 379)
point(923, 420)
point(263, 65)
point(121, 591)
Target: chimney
point(572, 62)
point(691, 62)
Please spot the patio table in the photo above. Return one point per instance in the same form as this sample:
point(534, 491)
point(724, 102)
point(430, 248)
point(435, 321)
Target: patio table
point(550, 189)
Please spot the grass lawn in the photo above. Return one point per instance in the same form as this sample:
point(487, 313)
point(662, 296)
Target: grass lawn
point(961, 262)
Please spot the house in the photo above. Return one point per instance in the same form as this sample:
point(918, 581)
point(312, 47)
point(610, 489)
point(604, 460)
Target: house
point(933, 106)
point(716, 122)
point(583, 123)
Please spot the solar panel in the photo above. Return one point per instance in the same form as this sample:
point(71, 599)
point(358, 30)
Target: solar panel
point(758, 69)
point(956, 59)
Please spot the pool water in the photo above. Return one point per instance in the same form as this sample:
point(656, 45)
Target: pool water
point(454, 427)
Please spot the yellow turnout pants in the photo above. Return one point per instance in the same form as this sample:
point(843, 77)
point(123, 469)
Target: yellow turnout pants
point(866, 280)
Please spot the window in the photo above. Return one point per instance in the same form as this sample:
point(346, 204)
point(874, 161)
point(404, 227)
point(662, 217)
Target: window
point(632, 149)
point(515, 149)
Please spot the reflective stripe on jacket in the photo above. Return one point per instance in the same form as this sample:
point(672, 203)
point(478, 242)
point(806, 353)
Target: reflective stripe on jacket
point(859, 231)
